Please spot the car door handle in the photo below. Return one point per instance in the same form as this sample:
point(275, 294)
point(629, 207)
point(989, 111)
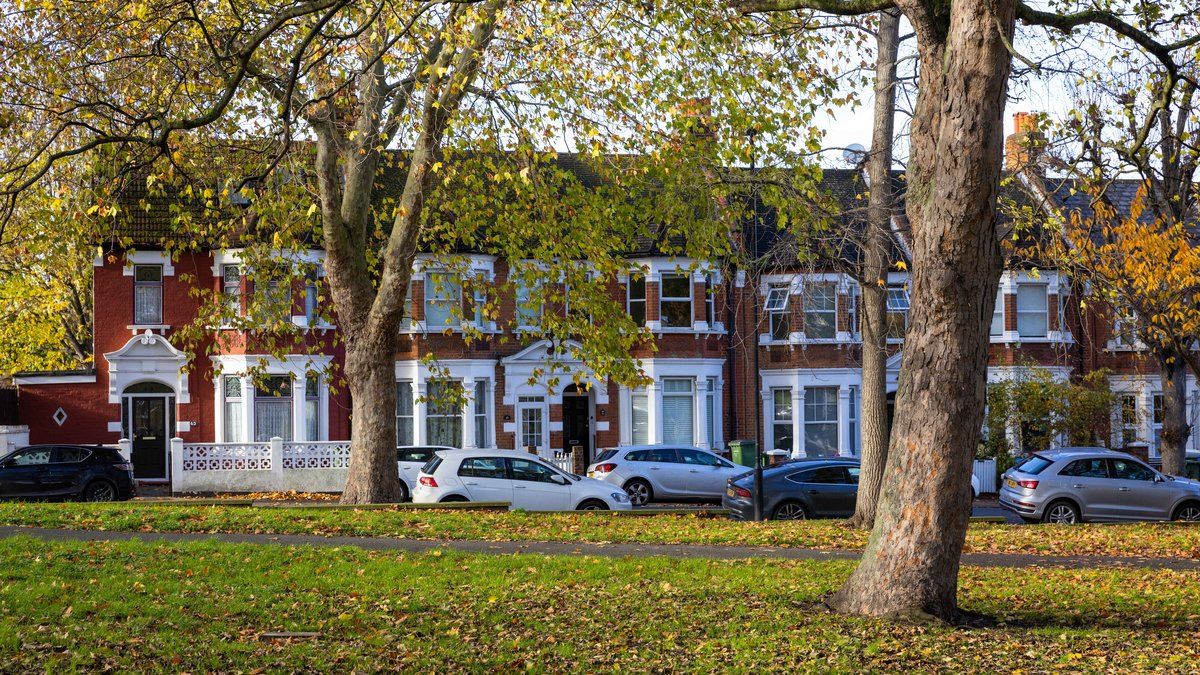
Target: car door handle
point(814, 492)
point(1123, 489)
point(694, 471)
point(1078, 486)
point(518, 487)
point(466, 483)
point(654, 468)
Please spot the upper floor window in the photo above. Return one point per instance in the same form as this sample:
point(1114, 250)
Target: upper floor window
point(147, 295)
point(897, 312)
point(779, 320)
point(231, 288)
point(675, 300)
point(636, 299)
point(529, 306)
point(1032, 310)
point(443, 296)
point(312, 297)
point(820, 312)
point(997, 328)
point(277, 297)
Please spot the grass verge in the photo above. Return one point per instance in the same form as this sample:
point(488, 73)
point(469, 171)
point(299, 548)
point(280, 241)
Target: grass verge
point(74, 606)
point(1165, 540)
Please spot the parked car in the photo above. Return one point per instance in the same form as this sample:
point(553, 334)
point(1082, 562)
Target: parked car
point(1071, 485)
point(815, 487)
point(85, 472)
point(660, 472)
point(409, 460)
point(519, 478)
point(974, 486)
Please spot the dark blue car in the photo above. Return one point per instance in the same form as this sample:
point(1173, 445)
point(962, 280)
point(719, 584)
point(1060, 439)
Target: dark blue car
point(85, 472)
point(797, 490)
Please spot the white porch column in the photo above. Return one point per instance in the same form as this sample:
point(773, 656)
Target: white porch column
point(844, 444)
point(247, 408)
point(1145, 403)
point(654, 412)
point(468, 413)
point(798, 421)
point(624, 417)
point(299, 428)
point(419, 409)
point(699, 419)
point(768, 408)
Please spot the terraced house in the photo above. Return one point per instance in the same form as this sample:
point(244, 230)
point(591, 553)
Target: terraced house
point(770, 352)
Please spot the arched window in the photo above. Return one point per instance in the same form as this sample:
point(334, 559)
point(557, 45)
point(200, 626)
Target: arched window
point(149, 388)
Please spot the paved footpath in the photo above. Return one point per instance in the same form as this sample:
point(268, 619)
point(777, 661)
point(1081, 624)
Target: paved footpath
point(590, 549)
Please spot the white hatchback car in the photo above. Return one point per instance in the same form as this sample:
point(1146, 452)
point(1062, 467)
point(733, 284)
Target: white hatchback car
point(409, 460)
point(659, 472)
point(519, 478)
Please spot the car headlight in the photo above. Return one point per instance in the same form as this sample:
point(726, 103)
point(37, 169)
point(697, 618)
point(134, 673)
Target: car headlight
point(619, 497)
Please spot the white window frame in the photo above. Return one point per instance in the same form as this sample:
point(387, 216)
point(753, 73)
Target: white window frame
point(997, 313)
point(631, 299)
point(1044, 310)
point(313, 412)
point(810, 421)
point(431, 415)
point(712, 407)
point(141, 284)
point(663, 299)
point(275, 400)
point(524, 308)
point(449, 292)
point(640, 436)
point(898, 303)
point(778, 312)
point(710, 300)
point(785, 421)
point(536, 406)
point(410, 415)
point(690, 395)
point(809, 310)
point(852, 421)
point(480, 413)
point(233, 433)
point(231, 290)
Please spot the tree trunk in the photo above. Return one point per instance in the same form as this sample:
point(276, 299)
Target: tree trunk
point(371, 377)
point(873, 278)
point(1175, 428)
point(910, 565)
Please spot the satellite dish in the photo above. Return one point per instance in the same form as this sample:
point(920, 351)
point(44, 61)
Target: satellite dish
point(854, 154)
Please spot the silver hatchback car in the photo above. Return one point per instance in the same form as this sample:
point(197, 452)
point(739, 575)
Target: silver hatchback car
point(1072, 485)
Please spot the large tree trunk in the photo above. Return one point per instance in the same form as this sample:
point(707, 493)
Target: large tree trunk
point(371, 377)
point(910, 565)
point(1175, 428)
point(873, 278)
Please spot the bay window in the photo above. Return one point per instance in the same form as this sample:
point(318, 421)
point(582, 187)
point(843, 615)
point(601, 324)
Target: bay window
point(710, 411)
point(820, 421)
point(820, 312)
point(231, 288)
point(404, 413)
point(678, 411)
point(897, 312)
point(234, 419)
point(147, 295)
point(443, 299)
point(273, 408)
point(852, 422)
point(639, 401)
point(997, 328)
point(529, 305)
point(636, 299)
point(312, 297)
point(779, 320)
point(481, 414)
point(312, 407)
point(781, 419)
point(444, 413)
point(1032, 310)
point(675, 300)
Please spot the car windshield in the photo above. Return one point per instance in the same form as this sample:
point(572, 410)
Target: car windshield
point(1034, 465)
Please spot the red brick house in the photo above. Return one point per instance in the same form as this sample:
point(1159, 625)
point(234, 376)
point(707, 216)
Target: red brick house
point(735, 356)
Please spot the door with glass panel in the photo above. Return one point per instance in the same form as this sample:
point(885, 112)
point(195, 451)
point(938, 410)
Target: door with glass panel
point(148, 416)
point(532, 429)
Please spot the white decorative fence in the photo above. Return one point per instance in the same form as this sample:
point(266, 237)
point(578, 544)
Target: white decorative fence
point(985, 471)
point(564, 463)
point(274, 466)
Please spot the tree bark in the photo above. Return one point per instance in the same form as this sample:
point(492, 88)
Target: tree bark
point(910, 565)
point(1175, 427)
point(873, 278)
point(371, 378)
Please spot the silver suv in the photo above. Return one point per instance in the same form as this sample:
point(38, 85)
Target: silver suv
point(1071, 485)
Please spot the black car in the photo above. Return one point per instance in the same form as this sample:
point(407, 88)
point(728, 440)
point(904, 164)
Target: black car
point(796, 490)
point(92, 473)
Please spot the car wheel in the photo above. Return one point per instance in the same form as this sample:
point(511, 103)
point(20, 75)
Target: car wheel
point(1188, 512)
point(639, 491)
point(99, 491)
point(790, 511)
point(592, 505)
point(1061, 513)
point(404, 496)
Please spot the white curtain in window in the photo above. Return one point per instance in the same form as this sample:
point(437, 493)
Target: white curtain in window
point(481, 417)
point(234, 432)
point(678, 412)
point(272, 417)
point(147, 305)
point(640, 422)
point(404, 413)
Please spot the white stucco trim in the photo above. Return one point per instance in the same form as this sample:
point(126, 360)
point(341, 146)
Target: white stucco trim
point(35, 380)
point(295, 365)
point(529, 372)
point(148, 258)
point(147, 358)
point(233, 256)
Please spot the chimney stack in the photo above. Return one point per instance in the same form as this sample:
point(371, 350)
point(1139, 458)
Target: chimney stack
point(1022, 147)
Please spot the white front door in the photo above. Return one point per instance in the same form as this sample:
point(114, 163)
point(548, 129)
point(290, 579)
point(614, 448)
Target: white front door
point(533, 429)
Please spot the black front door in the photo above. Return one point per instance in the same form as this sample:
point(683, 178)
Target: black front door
point(577, 428)
point(149, 433)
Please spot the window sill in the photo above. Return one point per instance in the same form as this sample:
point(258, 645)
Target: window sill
point(152, 327)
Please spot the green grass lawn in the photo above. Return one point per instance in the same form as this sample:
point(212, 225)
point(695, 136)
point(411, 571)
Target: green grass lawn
point(203, 606)
point(1156, 540)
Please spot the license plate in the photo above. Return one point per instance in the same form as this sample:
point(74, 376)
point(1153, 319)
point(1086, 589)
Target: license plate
point(591, 474)
point(1010, 482)
point(729, 491)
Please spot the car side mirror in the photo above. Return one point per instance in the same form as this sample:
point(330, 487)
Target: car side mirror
point(1159, 478)
point(560, 479)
